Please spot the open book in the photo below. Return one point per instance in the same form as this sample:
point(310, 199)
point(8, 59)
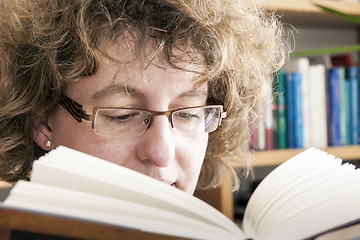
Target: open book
point(311, 194)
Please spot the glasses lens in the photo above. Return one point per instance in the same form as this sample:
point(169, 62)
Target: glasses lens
point(121, 122)
point(196, 120)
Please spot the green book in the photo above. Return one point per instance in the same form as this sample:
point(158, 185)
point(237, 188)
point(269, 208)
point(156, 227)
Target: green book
point(281, 109)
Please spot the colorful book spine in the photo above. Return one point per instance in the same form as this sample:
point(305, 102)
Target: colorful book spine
point(298, 98)
point(352, 74)
point(334, 121)
point(290, 107)
point(281, 110)
point(274, 131)
point(346, 108)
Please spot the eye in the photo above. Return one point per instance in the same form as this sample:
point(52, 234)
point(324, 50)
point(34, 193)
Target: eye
point(110, 116)
point(123, 117)
point(187, 115)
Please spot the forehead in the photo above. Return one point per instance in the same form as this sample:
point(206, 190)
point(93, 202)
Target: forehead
point(147, 67)
point(129, 47)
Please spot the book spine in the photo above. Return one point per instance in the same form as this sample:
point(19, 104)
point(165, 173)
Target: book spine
point(254, 138)
point(290, 107)
point(261, 136)
point(343, 107)
point(317, 108)
point(353, 75)
point(347, 96)
point(299, 130)
point(334, 107)
point(306, 103)
point(269, 117)
point(281, 110)
point(275, 140)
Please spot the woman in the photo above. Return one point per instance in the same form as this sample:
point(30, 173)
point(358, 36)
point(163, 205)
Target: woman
point(140, 83)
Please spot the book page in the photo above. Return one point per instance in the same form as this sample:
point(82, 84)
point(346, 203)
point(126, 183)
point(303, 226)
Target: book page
point(308, 194)
point(348, 232)
point(117, 212)
point(73, 170)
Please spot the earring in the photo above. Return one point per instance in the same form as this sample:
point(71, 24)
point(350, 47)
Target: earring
point(48, 144)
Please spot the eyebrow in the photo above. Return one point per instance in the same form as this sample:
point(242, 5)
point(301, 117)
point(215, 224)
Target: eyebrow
point(115, 89)
point(128, 91)
point(194, 93)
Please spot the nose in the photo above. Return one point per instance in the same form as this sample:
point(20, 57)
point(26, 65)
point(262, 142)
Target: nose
point(157, 144)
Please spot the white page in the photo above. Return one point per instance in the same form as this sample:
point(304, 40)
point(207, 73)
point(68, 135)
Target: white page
point(319, 217)
point(97, 176)
point(306, 188)
point(111, 211)
point(276, 183)
point(318, 211)
point(313, 198)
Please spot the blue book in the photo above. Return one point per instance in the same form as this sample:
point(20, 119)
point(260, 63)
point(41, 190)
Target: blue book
point(334, 107)
point(298, 110)
point(345, 108)
point(347, 112)
point(352, 75)
point(290, 110)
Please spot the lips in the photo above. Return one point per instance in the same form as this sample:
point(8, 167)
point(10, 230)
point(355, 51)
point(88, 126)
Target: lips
point(166, 177)
point(170, 183)
point(167, 182)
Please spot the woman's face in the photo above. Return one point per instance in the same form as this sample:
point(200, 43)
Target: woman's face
point(160, 152)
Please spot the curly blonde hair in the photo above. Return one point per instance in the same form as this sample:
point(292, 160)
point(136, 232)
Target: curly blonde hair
point(46, 43)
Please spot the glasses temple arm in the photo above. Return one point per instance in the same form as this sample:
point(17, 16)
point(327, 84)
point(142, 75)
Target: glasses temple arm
point(74, 108)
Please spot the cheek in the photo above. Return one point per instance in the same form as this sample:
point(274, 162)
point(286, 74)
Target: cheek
point(191, 158)
point(197, 148)
point(116, 151)
point(80, 136)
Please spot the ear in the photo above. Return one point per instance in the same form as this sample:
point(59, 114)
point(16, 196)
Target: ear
point(42, 133)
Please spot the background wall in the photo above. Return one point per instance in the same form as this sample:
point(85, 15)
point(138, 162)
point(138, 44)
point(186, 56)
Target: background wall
point(312, 38)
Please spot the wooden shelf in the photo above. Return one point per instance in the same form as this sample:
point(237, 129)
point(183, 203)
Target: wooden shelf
point(306, 6)
point(304, 13)
point(276, 157)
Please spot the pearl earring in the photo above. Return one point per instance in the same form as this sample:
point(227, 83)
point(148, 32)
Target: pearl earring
point(48, 144)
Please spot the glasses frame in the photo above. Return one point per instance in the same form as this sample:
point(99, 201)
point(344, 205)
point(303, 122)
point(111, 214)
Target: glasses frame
point(76, 110)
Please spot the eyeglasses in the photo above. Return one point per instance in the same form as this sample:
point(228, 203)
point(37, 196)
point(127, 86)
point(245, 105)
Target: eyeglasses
point(122, 122)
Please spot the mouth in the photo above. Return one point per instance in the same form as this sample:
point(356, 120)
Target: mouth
point(170, 181)
point(171, 184)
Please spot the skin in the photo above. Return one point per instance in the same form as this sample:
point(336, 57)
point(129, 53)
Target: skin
point(161, 152)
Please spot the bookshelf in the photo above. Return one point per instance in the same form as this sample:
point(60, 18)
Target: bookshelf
point(303, 13)
point(276, 157)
